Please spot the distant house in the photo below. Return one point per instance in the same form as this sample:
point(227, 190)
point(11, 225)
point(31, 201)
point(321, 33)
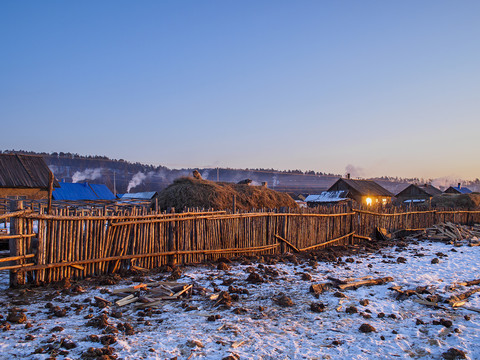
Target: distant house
point(327, 198)
point(365, 192)
point(417, 194)
point(24, 177)
point(141, 198)
point(82, 192)
point(458, 190)
point(148, 195)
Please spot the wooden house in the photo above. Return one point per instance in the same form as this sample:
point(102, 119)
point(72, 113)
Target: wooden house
point(364, 192)
point(458, 190)
point(24, 177)
point(149, 198)
point(417, 194)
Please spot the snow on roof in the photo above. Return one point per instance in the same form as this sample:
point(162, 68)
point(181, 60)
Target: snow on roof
point(148, 195)
point(328, 196)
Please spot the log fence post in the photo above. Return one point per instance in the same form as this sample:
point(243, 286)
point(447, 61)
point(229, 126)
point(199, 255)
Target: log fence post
point(16, 245)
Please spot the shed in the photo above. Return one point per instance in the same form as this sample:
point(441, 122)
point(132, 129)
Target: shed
point(365, 192)
point(327, 198)
point(82, 191)
point(458, 190)
point(148, 195)
point(24, 177)
point(149, 198)
point(417, 194)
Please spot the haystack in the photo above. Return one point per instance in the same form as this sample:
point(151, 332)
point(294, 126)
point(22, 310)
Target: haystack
point(191, 193)
point(457, 201)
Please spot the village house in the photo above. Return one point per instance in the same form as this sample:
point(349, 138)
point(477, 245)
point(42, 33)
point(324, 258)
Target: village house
point(24, 177)
point(139, 198)
point(417, 194)
point(458, 190)
point(364, 192)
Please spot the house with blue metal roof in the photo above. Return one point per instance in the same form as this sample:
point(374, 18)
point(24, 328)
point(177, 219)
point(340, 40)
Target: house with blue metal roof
point(458, 190)
point(82, 191)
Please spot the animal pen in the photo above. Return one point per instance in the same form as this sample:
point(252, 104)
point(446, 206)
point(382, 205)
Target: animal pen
point(76, 243)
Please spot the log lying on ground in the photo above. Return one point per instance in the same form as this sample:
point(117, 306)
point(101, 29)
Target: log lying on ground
point(348, 283)
point(462, 296)
point(356, 284)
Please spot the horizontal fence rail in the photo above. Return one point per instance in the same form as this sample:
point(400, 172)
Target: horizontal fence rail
point(79, 243)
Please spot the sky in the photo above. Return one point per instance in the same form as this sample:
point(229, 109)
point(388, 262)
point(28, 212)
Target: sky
point(378, 87)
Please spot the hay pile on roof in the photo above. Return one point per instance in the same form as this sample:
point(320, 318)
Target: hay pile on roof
point(457, 201)
point(190, 193)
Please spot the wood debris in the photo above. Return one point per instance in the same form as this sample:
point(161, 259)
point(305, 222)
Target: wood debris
point(349, 283)
point(454, 233)
point(356, 284)
point(152, 294)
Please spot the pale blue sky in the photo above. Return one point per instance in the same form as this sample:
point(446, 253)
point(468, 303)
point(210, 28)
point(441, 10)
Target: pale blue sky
point(392, 87)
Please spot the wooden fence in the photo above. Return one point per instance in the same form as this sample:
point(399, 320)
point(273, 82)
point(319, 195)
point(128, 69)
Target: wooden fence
point(78, 244)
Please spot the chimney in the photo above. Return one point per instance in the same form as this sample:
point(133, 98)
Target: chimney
point(459, 185)
point(348, 175)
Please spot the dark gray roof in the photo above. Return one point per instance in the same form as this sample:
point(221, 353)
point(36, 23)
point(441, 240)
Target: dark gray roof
point(430, 189)
point(24, 171)
point(426, 188)
point(365, 187)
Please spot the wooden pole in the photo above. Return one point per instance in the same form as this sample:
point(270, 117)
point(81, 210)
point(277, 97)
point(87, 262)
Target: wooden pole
point(50, 192)
point(16, 228)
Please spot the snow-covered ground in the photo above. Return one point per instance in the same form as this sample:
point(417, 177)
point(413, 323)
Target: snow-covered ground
point(256, 327)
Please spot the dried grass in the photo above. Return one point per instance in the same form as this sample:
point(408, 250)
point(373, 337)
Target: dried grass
point(457, 201)
point(190, 193)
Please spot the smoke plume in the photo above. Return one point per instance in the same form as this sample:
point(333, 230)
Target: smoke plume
point(354, 171)
point(446, 181)
point(87, 174)
point(137, 179)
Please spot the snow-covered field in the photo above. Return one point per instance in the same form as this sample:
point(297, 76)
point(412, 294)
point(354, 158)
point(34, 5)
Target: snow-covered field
point(256, 326)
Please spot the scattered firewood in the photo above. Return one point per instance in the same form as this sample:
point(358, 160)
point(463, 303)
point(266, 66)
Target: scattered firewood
point(126, 300)
point(129, 289)
point(152, 294)
point(454, 233)
point(99, 299)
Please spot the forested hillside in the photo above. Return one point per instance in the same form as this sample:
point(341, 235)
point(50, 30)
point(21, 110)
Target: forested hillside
point(124, 176)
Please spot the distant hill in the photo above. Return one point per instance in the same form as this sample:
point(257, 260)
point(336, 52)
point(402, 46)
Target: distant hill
point(137, 177)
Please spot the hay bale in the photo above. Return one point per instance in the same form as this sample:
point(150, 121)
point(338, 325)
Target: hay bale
point(190, 193)
point(457, 201)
